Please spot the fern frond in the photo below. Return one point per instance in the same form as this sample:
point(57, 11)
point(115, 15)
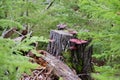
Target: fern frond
point(5, 23)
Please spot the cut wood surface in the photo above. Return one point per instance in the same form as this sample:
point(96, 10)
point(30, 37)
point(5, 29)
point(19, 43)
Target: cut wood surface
point(60, 43)
point(59, 68)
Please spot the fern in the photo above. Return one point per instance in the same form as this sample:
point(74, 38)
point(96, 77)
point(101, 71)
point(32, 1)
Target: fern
point(13, 65)
point(4, 23)
point(105, 40)
point(25, 44)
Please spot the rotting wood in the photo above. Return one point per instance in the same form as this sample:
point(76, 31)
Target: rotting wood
point(59, 68)
point(82, 55)
point(51, 68)
point(8, 33)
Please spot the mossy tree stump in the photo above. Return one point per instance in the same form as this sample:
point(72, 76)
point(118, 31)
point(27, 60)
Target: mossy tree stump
point(81, 52)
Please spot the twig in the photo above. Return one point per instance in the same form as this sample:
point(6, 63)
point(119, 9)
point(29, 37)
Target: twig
point(40, 72)
point(50, 4)
point(29, 34)
point(4, 31)
point(83, 74)
point(18, 32)
point(49, 71)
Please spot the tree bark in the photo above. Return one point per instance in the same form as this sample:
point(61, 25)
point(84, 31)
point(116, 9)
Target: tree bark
point(83, 56)
point(59, 68)
point(80, 57)
point(8, 33)
point(60, 42)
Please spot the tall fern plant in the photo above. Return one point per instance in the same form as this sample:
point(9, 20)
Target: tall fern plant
point(12, 63)
point(106, 38)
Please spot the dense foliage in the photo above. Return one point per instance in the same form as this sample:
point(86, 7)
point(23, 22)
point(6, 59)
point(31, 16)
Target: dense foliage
point(13, 64)
point(106, 38)
point(96, 19)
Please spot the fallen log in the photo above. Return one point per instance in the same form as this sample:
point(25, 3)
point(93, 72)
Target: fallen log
point(59, 68)
point(8, 33)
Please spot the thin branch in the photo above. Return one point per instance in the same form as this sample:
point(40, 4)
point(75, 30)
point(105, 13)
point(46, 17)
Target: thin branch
point(50, 4)
point(83, 74)
point(4, 31)
point(18, 32)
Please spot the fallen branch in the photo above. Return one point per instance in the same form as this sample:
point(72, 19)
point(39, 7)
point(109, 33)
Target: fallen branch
point(8, 33)
point(50, 4)
point(18, 33)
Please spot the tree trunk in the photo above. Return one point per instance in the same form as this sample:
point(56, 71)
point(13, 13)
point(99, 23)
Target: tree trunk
point(60, 42)
point(80, 57)
point(59, 68)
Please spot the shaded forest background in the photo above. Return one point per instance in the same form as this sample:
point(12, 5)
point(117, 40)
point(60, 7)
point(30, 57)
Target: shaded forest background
point(96, 19)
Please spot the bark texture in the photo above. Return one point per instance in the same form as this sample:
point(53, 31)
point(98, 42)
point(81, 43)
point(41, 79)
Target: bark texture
point(59, 68)
point(60, 42)
point(81, 53)
point(82, 56)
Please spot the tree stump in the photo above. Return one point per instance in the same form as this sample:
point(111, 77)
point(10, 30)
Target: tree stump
point(81, 57)
point(81, 52)
point(59, 42)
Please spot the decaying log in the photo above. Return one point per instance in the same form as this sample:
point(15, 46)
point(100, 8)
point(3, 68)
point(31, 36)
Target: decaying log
point(59, 68)
point(60, 42)
point(8, 33)
point(50, 68)
point(19, 39)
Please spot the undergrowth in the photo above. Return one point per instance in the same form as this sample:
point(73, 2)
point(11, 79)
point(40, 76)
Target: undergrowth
point(96, 19)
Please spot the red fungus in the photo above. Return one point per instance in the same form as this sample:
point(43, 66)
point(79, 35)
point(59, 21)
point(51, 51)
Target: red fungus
point(73, 32)
point(73, 48)
point(73, 40)
point(83, 41)
point(77, 41)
